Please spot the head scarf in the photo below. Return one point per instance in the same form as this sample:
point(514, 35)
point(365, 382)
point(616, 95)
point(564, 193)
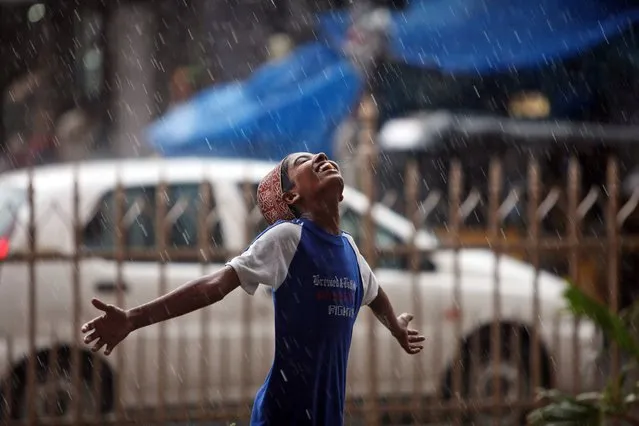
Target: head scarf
point(270, 198)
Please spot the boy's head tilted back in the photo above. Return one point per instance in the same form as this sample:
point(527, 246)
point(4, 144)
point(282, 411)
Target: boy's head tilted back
point(302, 183)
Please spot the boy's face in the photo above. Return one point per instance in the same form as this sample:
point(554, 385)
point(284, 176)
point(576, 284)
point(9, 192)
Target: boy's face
point(312, 177)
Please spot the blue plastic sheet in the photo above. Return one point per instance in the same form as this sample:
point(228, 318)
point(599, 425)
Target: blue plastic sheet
point(483, 36)
point(296, 104)
point(291, 105)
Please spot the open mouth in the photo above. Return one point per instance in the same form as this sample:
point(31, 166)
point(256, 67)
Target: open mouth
point(326, 166)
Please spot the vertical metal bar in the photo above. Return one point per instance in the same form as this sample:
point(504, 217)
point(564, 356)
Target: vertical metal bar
point(53, 370)
point(436, 347)
point(247, 317)
point(534, 188)
point(96, 378)
point(455, 219)
point(94, 358)
point(120, 247)
point(516, 341)
point(475, 362)
point(556, 344)
point(574, 228)
point(183, 337)
point(612, 231)
point(161, 206)
point(10, 384)
point(203, 245)
point(43, 124)
point(183, 372)
point(141, 366)
point(77, 305)
point(495, 184)
point(32, 298)
point(368, 115)
point(224, 366)
point(412, 192)
point(438, 352)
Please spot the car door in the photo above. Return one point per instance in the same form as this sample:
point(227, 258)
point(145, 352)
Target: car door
point(167, 355)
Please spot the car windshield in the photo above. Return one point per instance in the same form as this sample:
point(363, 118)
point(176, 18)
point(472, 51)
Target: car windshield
point(352, 223)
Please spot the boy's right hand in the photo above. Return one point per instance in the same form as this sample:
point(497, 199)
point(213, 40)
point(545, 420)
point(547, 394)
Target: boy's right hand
point(410, 339)
point(109, 329)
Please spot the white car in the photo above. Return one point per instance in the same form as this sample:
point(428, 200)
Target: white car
point(222, 354)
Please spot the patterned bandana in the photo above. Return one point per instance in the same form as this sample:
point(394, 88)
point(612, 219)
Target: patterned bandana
point(270, 197)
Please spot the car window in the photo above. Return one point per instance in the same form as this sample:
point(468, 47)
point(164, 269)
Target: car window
point(11, 199)
point(140, 211)
point(351, 222)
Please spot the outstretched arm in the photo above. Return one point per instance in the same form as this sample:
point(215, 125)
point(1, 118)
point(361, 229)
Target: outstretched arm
point(408, 338)
point(265, 261)
point(376, 299)
point(383, 310)
point(187, 298)
point(115, 324)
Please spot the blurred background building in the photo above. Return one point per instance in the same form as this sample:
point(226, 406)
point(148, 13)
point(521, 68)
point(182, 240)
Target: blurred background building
point(97, 72)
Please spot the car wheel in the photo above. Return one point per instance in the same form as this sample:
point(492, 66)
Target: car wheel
point(514, 376)
point(514, 380)
point(53, 394)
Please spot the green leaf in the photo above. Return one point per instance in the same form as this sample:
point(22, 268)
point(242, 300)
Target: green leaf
point(614, 401)
point(610, 323)
point(589, 397)
point(567, 412)
point(612, 398)
point(554, 395)
point(631, 399)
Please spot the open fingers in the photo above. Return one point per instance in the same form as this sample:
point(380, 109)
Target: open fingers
point(99, 344)
point(93, 324)
point(88, 326)
point(98, 304)
point(415, 349)
point(412, 332)
point(91, 337)
point(416, 339)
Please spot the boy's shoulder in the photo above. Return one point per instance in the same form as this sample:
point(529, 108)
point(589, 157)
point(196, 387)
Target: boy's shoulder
point(349, 237)
point(351, 241)
point(281, 229)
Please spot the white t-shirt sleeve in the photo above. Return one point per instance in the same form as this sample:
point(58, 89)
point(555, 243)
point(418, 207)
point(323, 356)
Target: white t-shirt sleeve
point(268, 258)
point(369, 280)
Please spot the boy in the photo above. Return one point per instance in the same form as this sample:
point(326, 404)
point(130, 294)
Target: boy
point(319, 282)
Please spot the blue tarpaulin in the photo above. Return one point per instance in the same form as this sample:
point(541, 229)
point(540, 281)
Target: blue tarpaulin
point(482, 36)
point(296, 104)
point(291, 105)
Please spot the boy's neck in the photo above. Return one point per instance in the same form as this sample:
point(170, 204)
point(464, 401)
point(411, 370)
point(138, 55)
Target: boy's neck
point(326, 217)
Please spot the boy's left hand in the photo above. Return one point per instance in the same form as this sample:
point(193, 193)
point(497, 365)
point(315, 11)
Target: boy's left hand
point(408, 338)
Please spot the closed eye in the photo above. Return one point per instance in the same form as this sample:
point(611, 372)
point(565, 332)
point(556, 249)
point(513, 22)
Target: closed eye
point(301, 159)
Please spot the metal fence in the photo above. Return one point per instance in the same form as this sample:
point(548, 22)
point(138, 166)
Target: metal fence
point(489, 347)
